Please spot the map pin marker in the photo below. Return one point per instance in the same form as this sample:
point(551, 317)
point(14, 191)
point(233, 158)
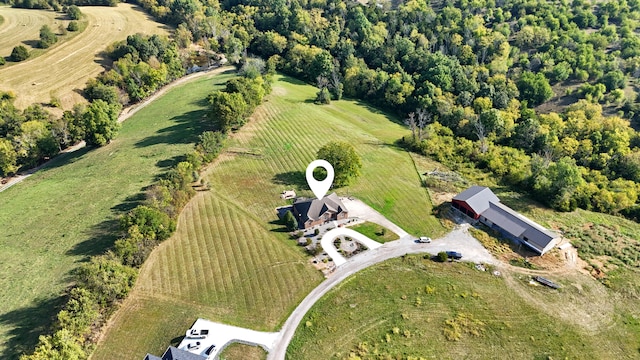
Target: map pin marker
point(320, 188)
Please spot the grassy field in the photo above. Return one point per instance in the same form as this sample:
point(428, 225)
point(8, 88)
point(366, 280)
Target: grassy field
point(65, 68)
point(242, 267)
point(245, 352)
point(375, 232)
point(60, 215)
point(452, 311)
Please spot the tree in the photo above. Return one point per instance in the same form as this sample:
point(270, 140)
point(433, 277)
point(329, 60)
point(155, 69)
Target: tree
point(344, 159)
point(62, 345)
point(106, 278)
point(8, 158)
point(100, 122)
point(73, 26)
point(47, 37)
point(209, 144)
point(151, 223)
point(534, 88)
point(442, 256)
point(290, 221)
point(227, 110)
point(19, 53)
point(74, 12)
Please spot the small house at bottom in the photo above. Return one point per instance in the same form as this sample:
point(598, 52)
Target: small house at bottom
point(480, 203)
point(312, 212)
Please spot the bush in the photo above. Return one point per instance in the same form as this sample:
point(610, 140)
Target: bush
point(290, 221)
point(107, 279)
point(74, 12)
point(2, 60)
point(151, 223)
point(47, 37)
point(19, 53)
point(73, 26)
point(442, 256)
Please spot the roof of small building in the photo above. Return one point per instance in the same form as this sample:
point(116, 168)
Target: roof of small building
point(151, 357)
point(478, 198)
point(313, 209)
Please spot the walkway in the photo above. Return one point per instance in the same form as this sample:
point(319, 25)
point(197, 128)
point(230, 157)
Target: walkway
point(332, 252)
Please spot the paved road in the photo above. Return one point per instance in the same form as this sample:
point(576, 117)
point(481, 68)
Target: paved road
point(458, 239)
point(124, 115)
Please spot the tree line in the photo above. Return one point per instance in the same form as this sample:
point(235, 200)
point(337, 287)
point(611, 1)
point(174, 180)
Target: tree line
point(476, 73)
point(105, 280)
point(141, 65)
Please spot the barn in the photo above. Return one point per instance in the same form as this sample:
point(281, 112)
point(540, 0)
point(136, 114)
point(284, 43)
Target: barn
point(481, 204)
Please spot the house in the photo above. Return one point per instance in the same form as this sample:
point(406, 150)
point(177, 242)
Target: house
point(173, 353)
point(287, 194)
point(312, 212)
point(480, 203)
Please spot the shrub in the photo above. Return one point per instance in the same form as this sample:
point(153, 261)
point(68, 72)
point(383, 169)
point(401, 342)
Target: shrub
point(442, 256)
point(290, 221)
point(19, 53)
point(107, 279)
point(73, 26)
point(151, 223)
point(2, 60)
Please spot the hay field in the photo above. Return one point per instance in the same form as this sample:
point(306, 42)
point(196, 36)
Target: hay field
point(65, 68)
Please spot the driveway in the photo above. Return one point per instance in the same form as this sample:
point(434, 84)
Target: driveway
point(327, 243)
point(361, 210)
point(458, 240)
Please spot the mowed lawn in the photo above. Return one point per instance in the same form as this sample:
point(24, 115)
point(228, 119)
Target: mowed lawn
point(55, 219)
point(230, 260)
point(374, 313)
point(65, 68)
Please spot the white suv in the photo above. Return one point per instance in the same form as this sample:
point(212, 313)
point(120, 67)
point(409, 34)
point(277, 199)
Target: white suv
point(424, 240)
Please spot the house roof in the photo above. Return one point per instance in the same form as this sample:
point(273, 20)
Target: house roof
point(174, 353)
point(151, 357)
point(478, 198)
point(313, 209)
point(484, 202)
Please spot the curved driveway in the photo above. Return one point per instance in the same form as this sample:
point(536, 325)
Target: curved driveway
point(458, 239)
point(327, 243)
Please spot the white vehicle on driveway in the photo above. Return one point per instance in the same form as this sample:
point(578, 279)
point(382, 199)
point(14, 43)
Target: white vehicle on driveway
point(424, 240)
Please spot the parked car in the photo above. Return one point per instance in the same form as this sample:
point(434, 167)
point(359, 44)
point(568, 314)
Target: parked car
point(424, 240)
point(454, 255)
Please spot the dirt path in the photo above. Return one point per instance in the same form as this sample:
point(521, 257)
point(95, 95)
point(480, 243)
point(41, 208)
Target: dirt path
point(124, 115)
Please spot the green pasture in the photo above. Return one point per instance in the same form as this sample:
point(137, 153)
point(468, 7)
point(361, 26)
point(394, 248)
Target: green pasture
point(68, 211)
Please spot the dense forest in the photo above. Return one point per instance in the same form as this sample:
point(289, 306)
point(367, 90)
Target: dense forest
point(539, 93)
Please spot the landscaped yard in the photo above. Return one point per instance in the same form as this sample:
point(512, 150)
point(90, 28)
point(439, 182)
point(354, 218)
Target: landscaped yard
point(57, 217)
point(230, 258)
point(375, 232)
point(453, 311)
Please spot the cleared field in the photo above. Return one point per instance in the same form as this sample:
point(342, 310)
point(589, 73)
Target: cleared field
point(452, 311)
point(65, 68)
point(60, 215)
point(22, 27)
point(229, 257)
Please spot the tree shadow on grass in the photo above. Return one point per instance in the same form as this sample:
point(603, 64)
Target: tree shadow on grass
point(64, 159)
point(32, 43)
point(130, 202)
point(167, 164)
point(291, 178)
point(186, 130)
point(280, 228)
point(101, 237)
point(27, 324)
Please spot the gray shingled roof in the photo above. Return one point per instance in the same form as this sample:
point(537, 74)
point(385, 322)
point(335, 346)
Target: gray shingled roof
point(151, 357)
point(484, 202)
point(174, 353)
point(313, 209)
point(478, 198)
